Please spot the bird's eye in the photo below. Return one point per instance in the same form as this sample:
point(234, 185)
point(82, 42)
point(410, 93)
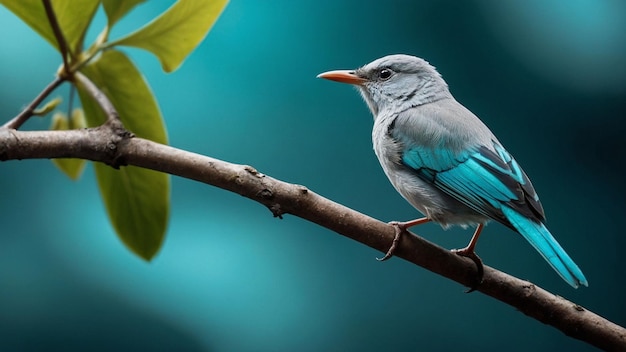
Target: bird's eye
point(385, 73)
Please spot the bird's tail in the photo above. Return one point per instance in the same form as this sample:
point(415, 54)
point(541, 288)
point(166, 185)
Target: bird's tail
point(543, 241)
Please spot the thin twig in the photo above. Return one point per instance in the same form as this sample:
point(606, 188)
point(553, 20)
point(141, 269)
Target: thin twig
point(102, 100)
point(23, 116)
point(70, 101)
point(58, 33)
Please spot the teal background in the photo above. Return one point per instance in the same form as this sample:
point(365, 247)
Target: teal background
point(548, 77)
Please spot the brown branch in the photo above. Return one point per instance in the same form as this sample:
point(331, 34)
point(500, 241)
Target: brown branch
point(103, 101)
point(23, 116)
point(58, 33)
point(103, 145)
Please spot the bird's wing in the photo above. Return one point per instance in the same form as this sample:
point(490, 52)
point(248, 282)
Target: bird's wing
point(482, 177)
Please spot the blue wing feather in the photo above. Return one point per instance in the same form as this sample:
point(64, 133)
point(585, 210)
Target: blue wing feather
point(480, 178)
point(491, 182)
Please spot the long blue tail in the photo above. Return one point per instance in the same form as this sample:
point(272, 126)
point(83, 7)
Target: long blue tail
point(540, 238)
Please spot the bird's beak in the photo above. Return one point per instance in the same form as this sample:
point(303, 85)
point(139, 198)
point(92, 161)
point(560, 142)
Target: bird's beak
point(343, 76)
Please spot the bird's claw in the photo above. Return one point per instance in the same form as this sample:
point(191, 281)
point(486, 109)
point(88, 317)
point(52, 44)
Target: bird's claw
point(400, 229)
point(468, 253)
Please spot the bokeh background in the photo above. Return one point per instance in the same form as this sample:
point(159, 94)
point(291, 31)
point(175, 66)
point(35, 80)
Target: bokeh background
point(548, 77)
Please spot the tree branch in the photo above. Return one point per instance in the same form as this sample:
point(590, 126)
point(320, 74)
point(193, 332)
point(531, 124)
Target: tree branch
point(23, 116)
point(18, 121)
point(103, 144)
point(113, 118)
point(58, 33)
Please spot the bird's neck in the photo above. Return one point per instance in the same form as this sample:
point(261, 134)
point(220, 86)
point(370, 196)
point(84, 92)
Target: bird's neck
point(393, 102)
point(426, 91)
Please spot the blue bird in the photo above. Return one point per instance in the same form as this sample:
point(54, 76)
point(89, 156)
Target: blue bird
point(445, 161)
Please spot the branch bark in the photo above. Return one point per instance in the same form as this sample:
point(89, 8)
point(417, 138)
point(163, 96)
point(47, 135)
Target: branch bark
point(23, 116)
point(58, 33)
point(118, 148)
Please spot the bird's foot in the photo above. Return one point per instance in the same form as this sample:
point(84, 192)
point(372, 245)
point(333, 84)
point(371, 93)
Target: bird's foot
point(400, 228)
point(469, 253)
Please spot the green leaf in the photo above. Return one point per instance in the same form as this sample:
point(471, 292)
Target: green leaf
point(46, 109)
point(73, 16)
point(73, 168)
point(176, 32)
point(136, 199)
point(77, 121)
point(60, 122)
point(116, 9)
point(137, 202)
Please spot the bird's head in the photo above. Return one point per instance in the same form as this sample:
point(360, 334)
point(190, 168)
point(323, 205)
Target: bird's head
point(394, 83)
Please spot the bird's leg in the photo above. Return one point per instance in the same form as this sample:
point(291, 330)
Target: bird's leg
point(400, 228)
point(469, 253)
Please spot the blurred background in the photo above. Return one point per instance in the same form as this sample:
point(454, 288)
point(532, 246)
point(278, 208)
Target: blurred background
point(547, 76)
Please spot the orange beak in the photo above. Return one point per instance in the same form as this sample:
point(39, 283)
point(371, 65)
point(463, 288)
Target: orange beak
point(343, 76)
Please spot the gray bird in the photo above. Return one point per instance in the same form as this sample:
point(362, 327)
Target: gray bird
point(444, 161)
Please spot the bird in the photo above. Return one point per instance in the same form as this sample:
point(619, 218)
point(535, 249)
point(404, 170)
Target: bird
point(446, 162)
